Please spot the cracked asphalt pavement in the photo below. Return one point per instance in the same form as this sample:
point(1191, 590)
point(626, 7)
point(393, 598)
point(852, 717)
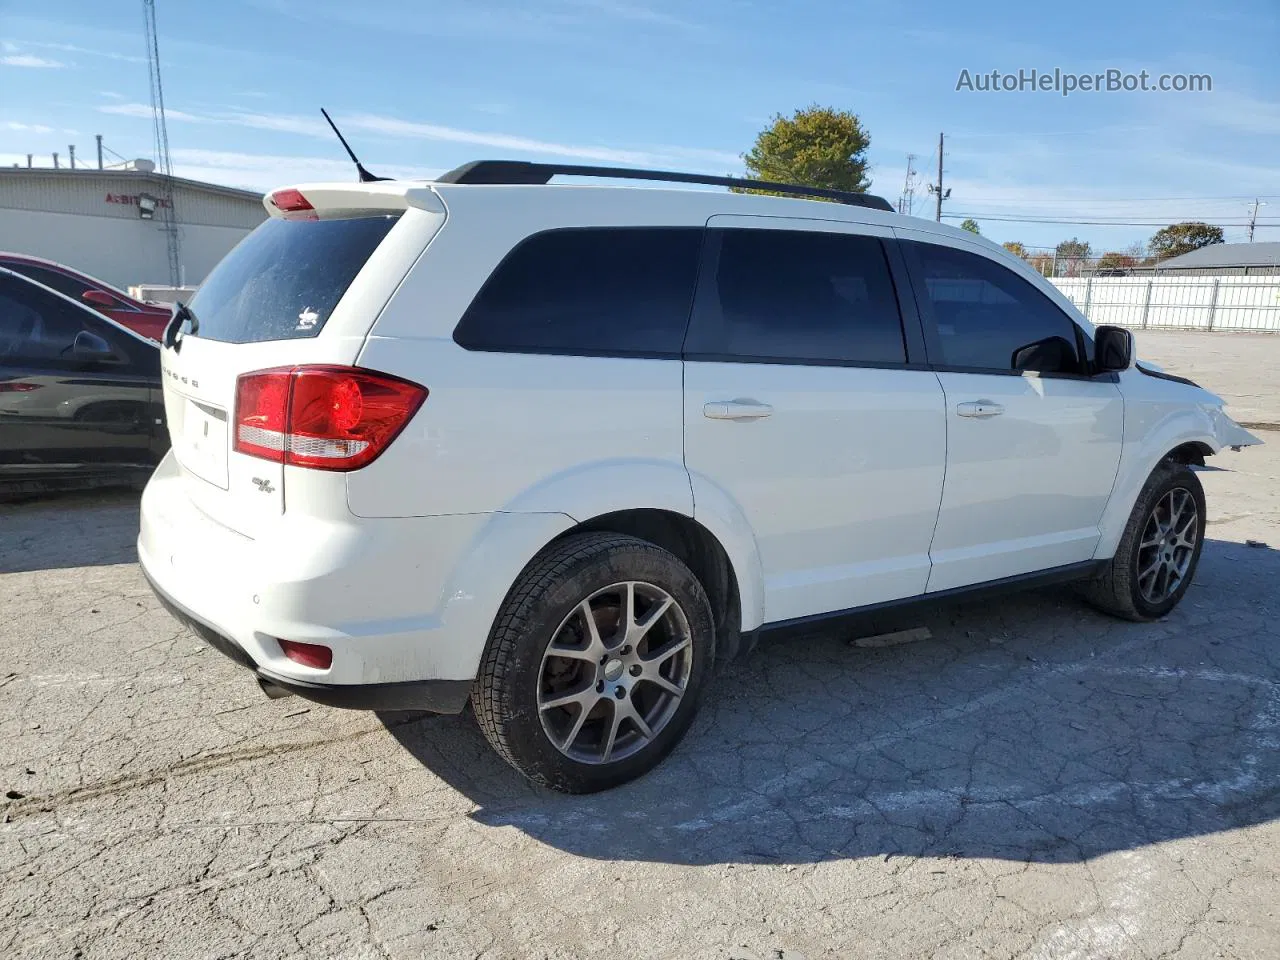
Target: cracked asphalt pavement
point(1035, 780)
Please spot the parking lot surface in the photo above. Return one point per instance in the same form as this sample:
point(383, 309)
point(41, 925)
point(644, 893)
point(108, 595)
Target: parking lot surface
point(1239, 367)
point(1034, 780)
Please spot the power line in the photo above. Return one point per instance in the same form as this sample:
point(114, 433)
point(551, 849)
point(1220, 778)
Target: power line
point(1099, 223)
point(1091, 200)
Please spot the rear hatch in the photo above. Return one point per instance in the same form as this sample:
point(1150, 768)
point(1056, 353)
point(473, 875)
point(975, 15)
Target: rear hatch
point(303, 288)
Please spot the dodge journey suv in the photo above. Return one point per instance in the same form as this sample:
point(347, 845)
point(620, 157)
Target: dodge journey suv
point(556, 450)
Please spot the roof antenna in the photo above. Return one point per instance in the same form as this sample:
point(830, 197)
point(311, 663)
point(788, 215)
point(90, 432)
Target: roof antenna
point(365, 175)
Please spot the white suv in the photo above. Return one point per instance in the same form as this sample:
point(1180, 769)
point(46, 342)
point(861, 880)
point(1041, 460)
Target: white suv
point(557, 450)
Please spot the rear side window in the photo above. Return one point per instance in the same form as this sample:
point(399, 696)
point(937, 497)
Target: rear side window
point(52, 279)
point(604, 292)
point(39, 329)
point(989, 318)
point(798, 296)
point(283, 280)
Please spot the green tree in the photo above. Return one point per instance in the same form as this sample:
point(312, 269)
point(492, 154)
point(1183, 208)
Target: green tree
point(971, 225)
point(1073, 249)
point(1180, 238)
point(1042, 262)
point(817, 147)
point(1115, 260)
point(1017, 248)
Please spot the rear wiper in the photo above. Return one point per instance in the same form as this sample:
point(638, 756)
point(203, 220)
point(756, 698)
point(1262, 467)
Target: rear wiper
point(181, 314)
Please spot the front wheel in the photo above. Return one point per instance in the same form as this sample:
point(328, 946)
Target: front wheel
point(595, 662)
point(1159, 549)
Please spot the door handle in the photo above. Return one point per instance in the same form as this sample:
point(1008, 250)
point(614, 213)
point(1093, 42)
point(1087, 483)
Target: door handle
point(736, 410)
point(980, 409)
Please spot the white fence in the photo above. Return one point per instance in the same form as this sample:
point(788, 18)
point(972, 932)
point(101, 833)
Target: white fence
point(1178, 303)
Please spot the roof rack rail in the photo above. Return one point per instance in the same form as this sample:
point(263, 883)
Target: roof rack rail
point(522, 172)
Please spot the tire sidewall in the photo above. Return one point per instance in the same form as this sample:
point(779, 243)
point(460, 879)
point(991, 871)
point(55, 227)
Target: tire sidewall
point(526, 737)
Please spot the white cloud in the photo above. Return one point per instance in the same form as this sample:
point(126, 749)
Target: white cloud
point(27, 60)
point(111, 94)
point(27, 127)
point(410, 130)
point(266, 171)
point(499, 141)
point(72, 48)
point(142, 111)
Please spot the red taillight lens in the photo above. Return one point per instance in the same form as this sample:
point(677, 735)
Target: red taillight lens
point(308, 654)
point(328, 418)
point(18, 387)
point(290, 201)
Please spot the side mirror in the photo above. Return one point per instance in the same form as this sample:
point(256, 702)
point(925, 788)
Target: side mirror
point(1113, 348)
point(98, 298)
point(1050, 355)
point(91, 348)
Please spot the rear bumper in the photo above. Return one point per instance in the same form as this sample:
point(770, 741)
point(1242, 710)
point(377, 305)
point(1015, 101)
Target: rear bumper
point(436, 696)
point(404, 603)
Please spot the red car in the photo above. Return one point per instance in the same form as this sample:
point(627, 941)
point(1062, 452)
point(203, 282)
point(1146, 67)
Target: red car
point(148, 319)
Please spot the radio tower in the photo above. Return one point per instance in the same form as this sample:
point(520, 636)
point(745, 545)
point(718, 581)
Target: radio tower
point(163, 164)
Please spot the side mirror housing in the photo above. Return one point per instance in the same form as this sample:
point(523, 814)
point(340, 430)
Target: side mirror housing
point(1050, 355)
point(91, 348)
point(1113, 348)
point(98, 298)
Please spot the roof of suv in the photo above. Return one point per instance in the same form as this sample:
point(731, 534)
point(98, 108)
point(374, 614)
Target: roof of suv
point(638, 204)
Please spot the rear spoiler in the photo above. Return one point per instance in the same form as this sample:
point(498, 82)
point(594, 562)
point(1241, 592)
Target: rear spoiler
point(314, 201)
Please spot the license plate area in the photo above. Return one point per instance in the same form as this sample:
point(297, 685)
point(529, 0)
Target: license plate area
point(203, 450)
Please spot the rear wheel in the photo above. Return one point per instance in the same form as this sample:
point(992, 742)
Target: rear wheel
point(1159, 550)
point(595, 662)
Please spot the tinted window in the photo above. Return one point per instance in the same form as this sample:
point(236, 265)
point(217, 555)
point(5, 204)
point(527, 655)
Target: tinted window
point(283, 280)
point(799, 296)
point(40, 329)
point(991, 318)
point(53, 279)
point(590, 291)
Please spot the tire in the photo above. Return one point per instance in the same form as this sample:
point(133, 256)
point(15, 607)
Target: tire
point(1126, 588)
point(558, 695)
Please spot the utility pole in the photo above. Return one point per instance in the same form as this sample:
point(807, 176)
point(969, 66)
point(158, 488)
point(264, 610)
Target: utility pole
point(936, 188)
point(98, 137)
point(939, 216)
point(1253, 217)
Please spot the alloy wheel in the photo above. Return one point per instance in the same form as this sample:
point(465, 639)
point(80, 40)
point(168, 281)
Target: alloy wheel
point(1168, 543)
point(615, 672)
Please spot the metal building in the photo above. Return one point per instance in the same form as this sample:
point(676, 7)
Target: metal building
point(110, 223)
point(1236, 259)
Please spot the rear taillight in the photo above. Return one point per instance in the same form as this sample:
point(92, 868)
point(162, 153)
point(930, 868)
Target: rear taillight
point(328, 418)
point(294, 205)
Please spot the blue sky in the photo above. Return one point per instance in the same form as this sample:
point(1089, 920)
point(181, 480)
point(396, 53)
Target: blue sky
point(420, 87)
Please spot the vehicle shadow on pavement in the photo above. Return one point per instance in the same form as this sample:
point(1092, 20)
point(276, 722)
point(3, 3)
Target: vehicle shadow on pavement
point(57, 532)
point(1028, 728)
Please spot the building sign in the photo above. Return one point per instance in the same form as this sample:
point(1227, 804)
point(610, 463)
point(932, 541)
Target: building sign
point(131, 199)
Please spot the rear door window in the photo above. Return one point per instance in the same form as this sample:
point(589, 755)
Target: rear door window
point(52, 279)
point(283, 280)
point(39, 329)
point(798, 296)
point(591, 292)
point(989, 318)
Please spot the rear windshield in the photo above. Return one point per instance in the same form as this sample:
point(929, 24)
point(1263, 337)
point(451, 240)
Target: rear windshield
point(282, 281)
